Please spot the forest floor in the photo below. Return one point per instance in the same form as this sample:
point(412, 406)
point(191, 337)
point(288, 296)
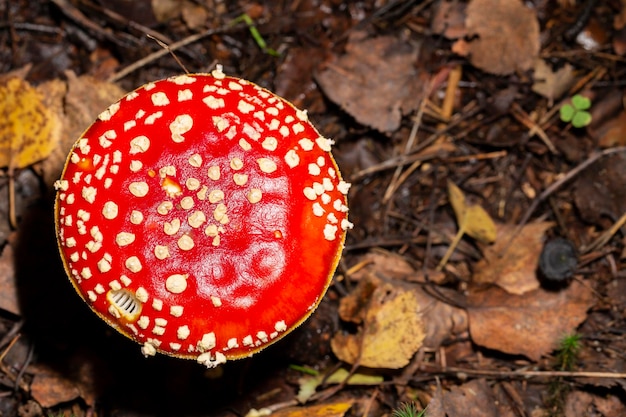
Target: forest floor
point(485, 142)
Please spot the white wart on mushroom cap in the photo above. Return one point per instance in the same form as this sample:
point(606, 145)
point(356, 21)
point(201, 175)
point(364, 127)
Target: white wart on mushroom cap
point(202, 216)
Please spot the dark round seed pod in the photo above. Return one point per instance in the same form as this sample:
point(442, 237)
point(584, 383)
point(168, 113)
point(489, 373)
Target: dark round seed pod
point(558, 259)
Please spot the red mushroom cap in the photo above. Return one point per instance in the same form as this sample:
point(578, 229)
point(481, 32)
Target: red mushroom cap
point(201, 216)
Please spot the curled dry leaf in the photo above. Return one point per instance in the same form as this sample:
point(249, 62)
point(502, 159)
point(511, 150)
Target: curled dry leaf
point(392, 330)
point(506, 36)
point(309, 383)
point(608, 406)
point(599, 194)
point(440, 319)
point(376, 81)
point(531, 324)
point(50, 388)
point(335, 409)
point(472, 399)
point(514, 270)
point(77, 102)
point(449, 19)
point(165, 10)
point(8, 288)
point(28, 129)
point(473, 220)
point(552, 84)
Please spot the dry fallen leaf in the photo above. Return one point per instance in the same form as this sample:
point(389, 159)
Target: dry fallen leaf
point(472, 220)
point(391, 333)
point(472, 399)
point(552, 84)
point(613, 132)
point(531, 324)
point(78, 102)
point(441, 319)
point(606, 406)
point(599, 194)
point(336, 409)
point(449, 19)
point(506, 36)
point(515, 269)
point(390, 264)
point(50, 388)
point(309, 383)
point(8, 289)
point(165, 10)
point(28, 129)
point(376, 81)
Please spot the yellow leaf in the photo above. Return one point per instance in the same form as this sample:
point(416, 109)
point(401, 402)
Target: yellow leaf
point(392, 331)
point(457, 201)
point(27, 126)
point(337, 409)
point(472, 220)
point(308, 384)
point(479, 225)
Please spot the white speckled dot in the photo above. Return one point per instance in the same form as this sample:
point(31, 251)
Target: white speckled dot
point(139, 188)
point(161, 252)
point(133, 264)
point(124, 238)
point(185, 242)
point(136, 217)
point(176, 283)
point(181, 125)
point(110, 210)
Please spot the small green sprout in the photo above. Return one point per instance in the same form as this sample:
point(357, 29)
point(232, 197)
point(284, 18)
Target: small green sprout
point(569, 348)
point(408, 410)
point(255, 34)
point(576, 112)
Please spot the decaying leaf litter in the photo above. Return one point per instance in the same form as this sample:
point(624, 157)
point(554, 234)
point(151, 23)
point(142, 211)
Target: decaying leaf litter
point(446, 117)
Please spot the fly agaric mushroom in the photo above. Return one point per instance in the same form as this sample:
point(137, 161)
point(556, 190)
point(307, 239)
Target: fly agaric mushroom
point(201, 216)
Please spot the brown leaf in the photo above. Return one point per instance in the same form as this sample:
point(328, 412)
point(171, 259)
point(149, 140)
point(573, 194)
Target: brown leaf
point(79, 101)
point(375, 81)
point(529, 325)
point(449, 19)
point(49, 388)
point(195, 16)
point(552, 84)
point(165, 10)
point(613, 132)
point(606, 406)
point(8, 289)
point(379, 261)
point(472, 399)
point(507, 36)
point(600, 195)
point(441, 320)
point(515, 269)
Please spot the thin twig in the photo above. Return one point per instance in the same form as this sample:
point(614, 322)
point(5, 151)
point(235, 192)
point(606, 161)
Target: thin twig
point(168, 49)
point(556, 185)
point(415, 155)
point(161, 52)
point(606, 236)
point(529, 374)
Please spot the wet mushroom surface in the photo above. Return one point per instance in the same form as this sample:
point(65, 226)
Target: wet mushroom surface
point(202, 216)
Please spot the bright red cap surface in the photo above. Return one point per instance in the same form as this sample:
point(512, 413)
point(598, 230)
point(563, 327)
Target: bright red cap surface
point(202, 216)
